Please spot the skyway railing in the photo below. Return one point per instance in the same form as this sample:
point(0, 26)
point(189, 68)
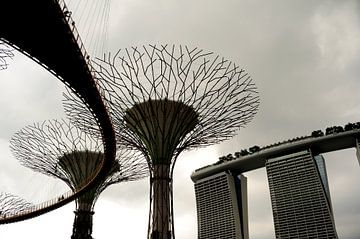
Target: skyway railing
point(71, 22)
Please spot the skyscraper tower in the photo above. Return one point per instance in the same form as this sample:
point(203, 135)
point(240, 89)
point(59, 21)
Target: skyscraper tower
point(60, 150)
point(221, 204)
point(300, 196)
point(167, 99)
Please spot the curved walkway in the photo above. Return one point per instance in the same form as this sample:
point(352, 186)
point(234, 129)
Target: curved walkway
point(44, 31)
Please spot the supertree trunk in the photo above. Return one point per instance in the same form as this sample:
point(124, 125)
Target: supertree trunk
point(82, 228)
point(162, 217)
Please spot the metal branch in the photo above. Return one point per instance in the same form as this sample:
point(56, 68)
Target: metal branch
point(5, 53)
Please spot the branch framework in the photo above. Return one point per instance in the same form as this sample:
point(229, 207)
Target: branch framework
point(5, 53)
point(10, 204)
point(222, 94)
point(59, 149)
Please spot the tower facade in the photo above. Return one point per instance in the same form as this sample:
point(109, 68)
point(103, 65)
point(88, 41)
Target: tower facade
point(221, 203)
point(300, 196)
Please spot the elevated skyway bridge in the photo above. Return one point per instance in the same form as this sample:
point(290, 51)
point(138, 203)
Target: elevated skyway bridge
point(44, 31)
point(317, 145)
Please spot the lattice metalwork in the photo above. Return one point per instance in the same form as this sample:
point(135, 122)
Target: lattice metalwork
point(61, 150)
point(5, 53)
point(167, 99)
point(10, 205)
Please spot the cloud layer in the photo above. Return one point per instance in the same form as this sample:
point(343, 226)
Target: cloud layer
point(304, 58)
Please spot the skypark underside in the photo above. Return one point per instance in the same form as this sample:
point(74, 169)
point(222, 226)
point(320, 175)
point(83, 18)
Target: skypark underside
point(317, 145)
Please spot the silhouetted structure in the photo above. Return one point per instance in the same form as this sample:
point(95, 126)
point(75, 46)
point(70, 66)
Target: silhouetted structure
point(59, 149)
point(300, 196)
point(10, 204)
point(43, 31)
point(5, 52)
point(165, 100)
point(221, 205)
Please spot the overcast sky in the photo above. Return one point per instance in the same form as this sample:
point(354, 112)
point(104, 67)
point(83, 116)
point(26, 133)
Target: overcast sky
point(304, 56)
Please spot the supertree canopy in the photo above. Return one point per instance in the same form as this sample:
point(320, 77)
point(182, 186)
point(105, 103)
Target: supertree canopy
point(5, 52)
point(59, 149)
point(167, 99)
point(10, 204)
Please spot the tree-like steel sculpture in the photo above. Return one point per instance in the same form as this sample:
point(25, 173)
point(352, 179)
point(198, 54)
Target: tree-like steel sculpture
point(10, 204)
point(59, 149)
point(5, 52)
point(167, 99)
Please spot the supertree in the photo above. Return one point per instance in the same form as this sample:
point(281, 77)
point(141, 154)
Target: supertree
point(5, 52)
point(167, 99)
point(59, 149)
point(10, 204)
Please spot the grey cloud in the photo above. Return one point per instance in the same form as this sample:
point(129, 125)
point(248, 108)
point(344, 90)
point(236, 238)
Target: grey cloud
point(302, 88)
point(279, 44)
point(28, 94)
